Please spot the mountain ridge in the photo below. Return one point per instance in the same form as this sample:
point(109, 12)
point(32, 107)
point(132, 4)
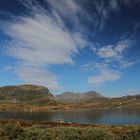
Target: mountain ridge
point(41, 96)
point(78, 97)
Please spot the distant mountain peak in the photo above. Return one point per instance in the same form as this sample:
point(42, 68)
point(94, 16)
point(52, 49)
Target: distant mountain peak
point(78, 97)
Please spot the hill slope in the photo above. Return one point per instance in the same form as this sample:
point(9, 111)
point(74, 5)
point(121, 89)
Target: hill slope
point(25, 93)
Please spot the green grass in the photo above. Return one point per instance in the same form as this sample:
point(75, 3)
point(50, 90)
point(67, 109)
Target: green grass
point(17, 132)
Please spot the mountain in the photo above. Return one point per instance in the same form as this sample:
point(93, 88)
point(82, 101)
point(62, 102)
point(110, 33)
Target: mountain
point(79, 97)
point(40, 98)
point(25, 93)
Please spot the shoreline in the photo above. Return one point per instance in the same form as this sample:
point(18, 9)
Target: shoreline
point(30, 123)
point(45, 108)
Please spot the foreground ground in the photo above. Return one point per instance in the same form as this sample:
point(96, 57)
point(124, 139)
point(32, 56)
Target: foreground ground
point(33, 130)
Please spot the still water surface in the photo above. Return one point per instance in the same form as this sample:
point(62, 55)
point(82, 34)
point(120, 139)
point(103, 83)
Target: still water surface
point(99, 116)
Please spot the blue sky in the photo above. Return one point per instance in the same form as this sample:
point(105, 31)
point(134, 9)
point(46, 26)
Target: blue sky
point(71, 45)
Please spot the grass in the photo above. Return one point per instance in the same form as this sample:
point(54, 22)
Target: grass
point(46, 131)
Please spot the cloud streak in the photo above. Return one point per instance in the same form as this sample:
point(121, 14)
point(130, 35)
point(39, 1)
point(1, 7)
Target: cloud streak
point(111, 55)
point(41, 41)
point(51, 33)
point(105, 75)
point(115, 52)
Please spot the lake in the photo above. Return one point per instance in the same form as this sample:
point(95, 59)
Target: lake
point(89, 116)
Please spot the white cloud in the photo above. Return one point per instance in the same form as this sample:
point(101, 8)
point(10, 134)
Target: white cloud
point(42, 39)
point(126, 64)
point(112, 55)
point(105, 75)
point(123, 45)
point(38, 42)
point(76, 14)
point(115, 51)
point(66, 7)
point(94, 46)
point(37, 75)
point(107, 52)
point(87, 67)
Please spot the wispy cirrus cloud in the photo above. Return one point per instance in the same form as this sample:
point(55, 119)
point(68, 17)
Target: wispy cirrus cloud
point(126, 64)
point(115, 51)
point(90, 66)
point(77, 14)
point(51, 32)
point(113, 62)
point(104, 8)
point(39, 41)
point(37, 75)
point(105, 75)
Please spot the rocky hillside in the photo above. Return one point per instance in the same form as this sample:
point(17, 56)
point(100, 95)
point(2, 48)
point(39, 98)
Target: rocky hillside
point(24, 93)
point(79, 97)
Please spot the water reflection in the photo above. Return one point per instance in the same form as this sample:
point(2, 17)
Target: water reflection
point(102, 116)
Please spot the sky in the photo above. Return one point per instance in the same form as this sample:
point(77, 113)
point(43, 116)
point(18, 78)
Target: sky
point(71, 45)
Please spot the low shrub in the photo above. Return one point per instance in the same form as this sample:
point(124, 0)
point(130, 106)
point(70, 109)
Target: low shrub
point(13, 132)
point(16, 132)
point(97, 134)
